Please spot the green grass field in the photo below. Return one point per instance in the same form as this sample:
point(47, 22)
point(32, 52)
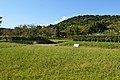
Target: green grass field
point(36, 62)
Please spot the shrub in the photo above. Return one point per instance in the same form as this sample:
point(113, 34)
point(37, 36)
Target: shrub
point(101, 38)
point(31, 40)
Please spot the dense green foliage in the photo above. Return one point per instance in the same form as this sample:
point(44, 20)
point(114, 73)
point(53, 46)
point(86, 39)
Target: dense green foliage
point(90, 24)
point(31, 40)
point(27, 40)
point(107, 25)
point(98, 38)
point(35, 62)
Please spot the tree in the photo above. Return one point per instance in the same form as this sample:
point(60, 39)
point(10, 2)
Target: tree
point(114, 28)
point(22, 30)
point(97, 27)
point(0, 20)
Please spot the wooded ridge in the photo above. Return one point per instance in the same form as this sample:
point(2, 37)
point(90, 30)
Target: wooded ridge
point(108, 25)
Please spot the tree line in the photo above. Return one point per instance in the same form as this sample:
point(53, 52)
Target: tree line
point(108, 25)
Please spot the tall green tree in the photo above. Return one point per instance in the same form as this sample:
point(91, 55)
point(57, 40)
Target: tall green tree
point(97, 27)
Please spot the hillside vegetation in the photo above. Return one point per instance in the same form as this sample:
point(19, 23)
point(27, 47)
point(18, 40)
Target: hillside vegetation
point(91, 24)
point(95, 25)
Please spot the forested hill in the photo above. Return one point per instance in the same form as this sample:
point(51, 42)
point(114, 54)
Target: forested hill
point(90, 24)
point(78, 25)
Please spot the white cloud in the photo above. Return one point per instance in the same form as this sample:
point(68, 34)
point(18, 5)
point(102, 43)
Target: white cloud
point(62, 19)
point(43, 24)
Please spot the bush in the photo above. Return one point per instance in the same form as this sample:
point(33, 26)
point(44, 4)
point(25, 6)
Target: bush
point(97, 38)
point(31, 40)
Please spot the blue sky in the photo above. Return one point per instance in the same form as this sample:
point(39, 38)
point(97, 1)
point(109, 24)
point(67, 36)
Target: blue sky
point(16, 12)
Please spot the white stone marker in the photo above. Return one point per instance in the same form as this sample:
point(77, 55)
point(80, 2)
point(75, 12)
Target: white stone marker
point(76, 45)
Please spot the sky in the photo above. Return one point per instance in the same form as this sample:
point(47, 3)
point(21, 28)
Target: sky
point(44, 12)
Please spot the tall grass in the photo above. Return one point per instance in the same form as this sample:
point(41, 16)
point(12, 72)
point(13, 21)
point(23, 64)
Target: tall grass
point(34, 62)
point(8, 45)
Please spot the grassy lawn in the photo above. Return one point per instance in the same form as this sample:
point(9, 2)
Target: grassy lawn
point(35, 62)
point(109, 45)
